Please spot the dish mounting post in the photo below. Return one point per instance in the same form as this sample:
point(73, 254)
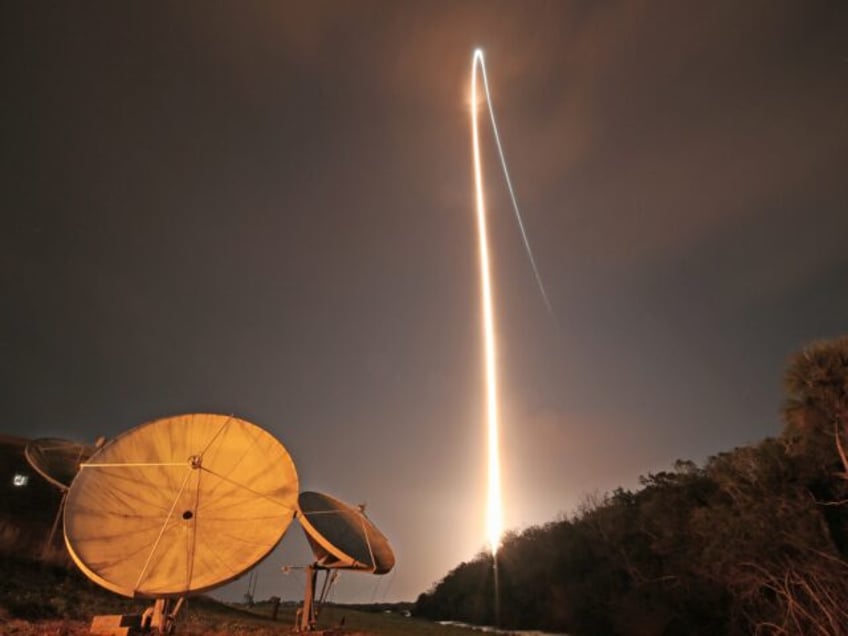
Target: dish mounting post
point(307, 617)
point(162, 617)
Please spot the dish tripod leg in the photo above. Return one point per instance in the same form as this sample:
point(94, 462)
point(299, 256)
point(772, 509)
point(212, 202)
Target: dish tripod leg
point(161, 619)
point(47, 551)
point(306, 618)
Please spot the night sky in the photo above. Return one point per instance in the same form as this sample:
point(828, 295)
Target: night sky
point(266, 209)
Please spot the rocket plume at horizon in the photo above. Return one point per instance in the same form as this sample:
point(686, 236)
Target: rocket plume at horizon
point(494, 506)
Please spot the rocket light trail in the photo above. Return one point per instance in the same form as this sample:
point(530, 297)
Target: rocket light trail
point(494, 510)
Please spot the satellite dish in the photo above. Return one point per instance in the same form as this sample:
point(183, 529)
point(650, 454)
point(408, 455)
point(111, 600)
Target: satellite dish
point(341, 536)
point(180, 505)
point(57, 460)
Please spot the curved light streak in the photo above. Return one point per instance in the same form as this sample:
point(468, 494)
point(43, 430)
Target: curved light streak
point(479, 54)
point(494, 508)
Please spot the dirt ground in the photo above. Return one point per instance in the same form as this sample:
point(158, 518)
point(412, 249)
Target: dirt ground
point(67, 627)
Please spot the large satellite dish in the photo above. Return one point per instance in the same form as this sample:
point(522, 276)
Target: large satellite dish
point(57, 460)
point(341, 536)
point(180, 505)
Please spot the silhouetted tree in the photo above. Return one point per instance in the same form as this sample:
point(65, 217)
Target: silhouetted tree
point(752, 542)
point(816, 408)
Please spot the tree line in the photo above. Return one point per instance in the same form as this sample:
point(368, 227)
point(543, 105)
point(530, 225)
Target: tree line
point(754, 541)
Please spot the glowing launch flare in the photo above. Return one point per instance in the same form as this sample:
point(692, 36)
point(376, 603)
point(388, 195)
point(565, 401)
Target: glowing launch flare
point(494, 513)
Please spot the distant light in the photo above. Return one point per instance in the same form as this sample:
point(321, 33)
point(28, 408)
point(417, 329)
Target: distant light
point(20, 480)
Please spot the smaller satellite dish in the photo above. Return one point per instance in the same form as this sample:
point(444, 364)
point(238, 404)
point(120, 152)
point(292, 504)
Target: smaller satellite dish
point(341, 536)
point(57, 460)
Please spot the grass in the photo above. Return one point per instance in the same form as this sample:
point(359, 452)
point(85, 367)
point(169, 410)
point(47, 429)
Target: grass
point(386, 624)
point(38, 599)
point(358, 621)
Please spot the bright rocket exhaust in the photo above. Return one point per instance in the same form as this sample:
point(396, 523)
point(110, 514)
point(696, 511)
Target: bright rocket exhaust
point(494, 507)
